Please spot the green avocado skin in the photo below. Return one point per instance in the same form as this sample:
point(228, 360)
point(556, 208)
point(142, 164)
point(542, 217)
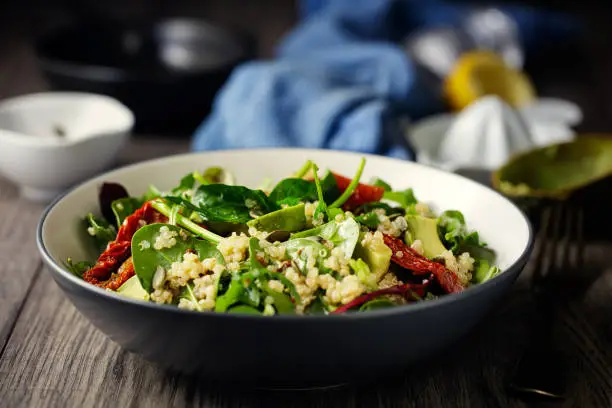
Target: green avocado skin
point(288, 219)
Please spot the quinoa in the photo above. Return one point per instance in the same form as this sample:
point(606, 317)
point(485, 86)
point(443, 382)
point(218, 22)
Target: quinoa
point(417, 245)
point(165, 239)
point(234, 248)
point(461, 266)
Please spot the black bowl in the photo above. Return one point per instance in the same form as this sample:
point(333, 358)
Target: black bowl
point(286, 350)
point(167, 72)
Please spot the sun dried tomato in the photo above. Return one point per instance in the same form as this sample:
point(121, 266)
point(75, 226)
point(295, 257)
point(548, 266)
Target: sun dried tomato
point(119, 250)
point(408, 258)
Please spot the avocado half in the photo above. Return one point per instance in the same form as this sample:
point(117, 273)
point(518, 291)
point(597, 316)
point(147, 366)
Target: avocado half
point(556, 171)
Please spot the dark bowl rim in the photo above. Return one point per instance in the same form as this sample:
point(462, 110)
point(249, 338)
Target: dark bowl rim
point(63, 274)
point(51, 64)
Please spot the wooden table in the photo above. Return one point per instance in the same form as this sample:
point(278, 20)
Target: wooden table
point(51, 356)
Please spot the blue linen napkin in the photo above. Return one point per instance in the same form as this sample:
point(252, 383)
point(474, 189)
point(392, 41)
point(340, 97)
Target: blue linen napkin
point(341, 79)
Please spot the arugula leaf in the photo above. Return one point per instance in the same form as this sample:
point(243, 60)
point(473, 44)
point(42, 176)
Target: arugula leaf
point(484, 271)
point(404, 198)
point(124, 207)
point(100, 230)
point(317, 306)
point(184, 221)
point(235, 204)
point(147, 259)
point(296, 189)
point(79, 268)
point(303, 170)
point(453, 229)
point(295, 250)
point(282, 303)
point(151, 194)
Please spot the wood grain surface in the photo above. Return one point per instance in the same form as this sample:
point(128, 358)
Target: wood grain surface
point(51, 356)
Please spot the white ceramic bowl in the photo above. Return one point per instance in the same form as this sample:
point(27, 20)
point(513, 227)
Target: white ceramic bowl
point(43, 163)
point(281, 348)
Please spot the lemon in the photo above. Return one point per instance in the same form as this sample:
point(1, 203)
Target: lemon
point(480, 73)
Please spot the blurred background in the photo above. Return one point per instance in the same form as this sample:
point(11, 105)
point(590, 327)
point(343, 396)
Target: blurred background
point(401, 78)
point(579, 71)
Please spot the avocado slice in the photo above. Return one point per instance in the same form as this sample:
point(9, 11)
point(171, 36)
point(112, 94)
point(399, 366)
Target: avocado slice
point(132, 288)
point(286, 219)
point(376, 255)
point(425, 230)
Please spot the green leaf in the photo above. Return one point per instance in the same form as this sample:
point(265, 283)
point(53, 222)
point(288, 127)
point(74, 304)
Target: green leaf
point(186, 222)
point(244, 309)
point(124, 207)
point(100, 230)
point(282, 303)
point(329, 186)
point(346, 194)
point(378, 303)
point(231, 296)
point(147, 259)
point(317, 306)
point(344, 234)
point(288, 219)
point(404, 198)
point(370, 220)
point(235, 204)
point(151, 194)
point(484, 271)
point(389, 210)
point(321, 209)
point(79, 268)
point(296, 189)
point(218, 175)
point(381, 183)
point(187, 294)
point(295, 250)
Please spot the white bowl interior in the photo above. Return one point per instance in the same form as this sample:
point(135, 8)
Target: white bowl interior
point(501, 224)
point(78, 114)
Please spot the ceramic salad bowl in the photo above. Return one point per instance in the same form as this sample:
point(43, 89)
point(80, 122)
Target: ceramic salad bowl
point(292, 349)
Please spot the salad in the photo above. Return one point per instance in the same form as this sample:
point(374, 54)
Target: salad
point(316, 242)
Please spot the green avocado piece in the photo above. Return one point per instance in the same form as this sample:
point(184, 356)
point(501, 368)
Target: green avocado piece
point(556, 171)
point(425, 230)
point(288, 219)
point(376, 255)
point(132, 288)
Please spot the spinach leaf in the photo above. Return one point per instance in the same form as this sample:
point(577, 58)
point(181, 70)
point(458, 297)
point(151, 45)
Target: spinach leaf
point(381, 183)
point(370, 220)
point(79, 268)
point(244, 309)
point(293, 190)
point(282, 303)
point(187, 294)
point(100, 230)
point(404, 198)
point(147, 259)
point(343, 234)
point(235, 204)
point(124, 207)
point(330, 188)
point(231, 296)
point(389, 210)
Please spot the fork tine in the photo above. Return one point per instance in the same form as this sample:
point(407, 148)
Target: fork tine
point(563, 255)
point(551, 243)
point(580, 238)
point(540, 249)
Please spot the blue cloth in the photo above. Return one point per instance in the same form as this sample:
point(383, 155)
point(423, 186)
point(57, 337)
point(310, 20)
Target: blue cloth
point(341, 80)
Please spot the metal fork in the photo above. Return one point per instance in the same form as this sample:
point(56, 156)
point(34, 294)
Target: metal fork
point(541, 372)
